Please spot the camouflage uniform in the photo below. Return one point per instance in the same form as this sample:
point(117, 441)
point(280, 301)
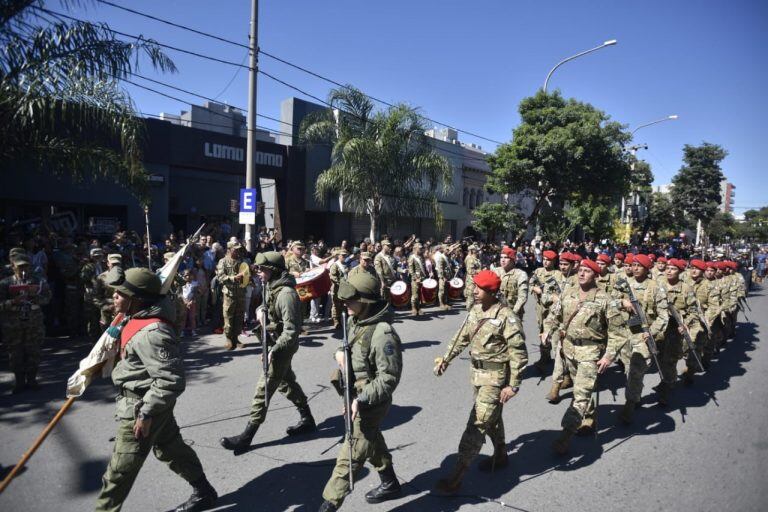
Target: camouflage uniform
point(377, 364)
point(443, 273)
point(233, 301)
point(545, 279)
point(23, 327)
point(73, 293)
point(337, 272)
point(89, 274)
point(102, 294)
point(552, 305)
point(588, 324)
point(384, 264)
point(472, 265)
point(498, 358)
point(672, 347)
point(514, 289)
point(418, 273)
point(710, 297)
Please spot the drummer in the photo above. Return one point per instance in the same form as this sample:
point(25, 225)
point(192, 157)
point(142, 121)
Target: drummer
point(418, 272)
point(297, 264)
point(338, 271)
point(384, 264)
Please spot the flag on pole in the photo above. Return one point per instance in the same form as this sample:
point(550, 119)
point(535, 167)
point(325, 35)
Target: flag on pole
point(101, 359)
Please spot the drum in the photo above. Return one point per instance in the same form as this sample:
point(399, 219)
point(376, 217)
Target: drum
point(313, 283)
point(428, 291)
point(455, 288)
point(245, 269)
point(400, 294)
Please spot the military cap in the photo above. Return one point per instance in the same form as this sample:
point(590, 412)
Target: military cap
point(417, 245)
point(550, 255)
point(643, 260)
point(115, 258)
point(15, 251)
point(361, 286)
point(365, 255)
point(386, 242)
point(97, 251)
point(509, 252)
point(341, 251)
point(298, 243)
point(663, 259)
point(604, 258)
point(168, 255)
point(619, 256)
point(141, 283)
point(487, 280)
point(473, 247)
point(591, 265)
point(699, 264)
point(272, 260)
point(630, 258)
point(234, 244)
point(21, 259)
point(681, 264)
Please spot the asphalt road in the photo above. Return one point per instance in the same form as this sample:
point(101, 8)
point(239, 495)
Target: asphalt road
point(707, 451)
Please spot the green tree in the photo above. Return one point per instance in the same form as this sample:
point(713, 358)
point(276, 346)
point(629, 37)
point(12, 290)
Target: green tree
point(381, 161)
point(696, 187)
point(721, 227)
point(562, 151)
point(754, 228)
point(493, 219)
point(61, 108)
point(661, 216)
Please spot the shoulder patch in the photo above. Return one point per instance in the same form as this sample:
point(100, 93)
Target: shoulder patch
point(389, 348)
point(163, 354)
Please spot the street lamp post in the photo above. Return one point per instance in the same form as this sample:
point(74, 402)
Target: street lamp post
point(604, 45)
point(668, 118)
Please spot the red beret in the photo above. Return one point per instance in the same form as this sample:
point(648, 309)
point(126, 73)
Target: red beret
point(604, 258)
point(643, 260)
point(487, 280)
point(711, 264)
point(571, 256)
point(652, 257)
point(701, 265)
point(720, 265)
point(734, 265)
point(619, 255)
point(586, 262)
point(681, 264)
point(663, 259)
point(509, 252)
point(630, 258)
point(550, 255)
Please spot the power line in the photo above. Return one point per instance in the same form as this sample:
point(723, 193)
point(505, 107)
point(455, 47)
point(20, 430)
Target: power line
point(286, 62)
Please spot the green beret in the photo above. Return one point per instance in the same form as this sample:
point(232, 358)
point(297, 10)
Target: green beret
point(361, 286)
point(271, 259)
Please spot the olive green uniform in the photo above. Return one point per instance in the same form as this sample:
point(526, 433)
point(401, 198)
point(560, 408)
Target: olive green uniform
point(337, 272)
point(672, 347)
point(384, 264)
point(472, 265)
point(233, 297)
point(443, 273)
point(102, 294)
point(514, 288)
point(150, 377)
point(377, 364)
point(498, 358)
point(22, 324)
point(418, 273)
point(89, 275)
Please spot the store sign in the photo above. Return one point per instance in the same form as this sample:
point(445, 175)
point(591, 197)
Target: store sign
point(103, 225)
point(224, 152)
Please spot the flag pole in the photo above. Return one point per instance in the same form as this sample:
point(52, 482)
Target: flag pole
point(37, 443)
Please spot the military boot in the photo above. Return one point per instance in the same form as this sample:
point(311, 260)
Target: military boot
point(240, 442)
point(20, 383)
point(544, 359)
point(688, 376)
point(498, 460)
point(414, 312)
point(627, 412)
point(203, 497)
point(663, 393)
point(567, 382)
point(327, 506)
point(554, 394)
point(452, 483)
point(305, 425)
point(587, 426)
point(388, 490)
point(32, 380)
point(230, 345)
point(561, 445)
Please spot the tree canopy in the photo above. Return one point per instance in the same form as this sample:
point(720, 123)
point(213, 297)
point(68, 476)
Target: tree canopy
point(61, 109)
point(381, 161)
point(696, 187)
point(563, 151)
point(493, 219)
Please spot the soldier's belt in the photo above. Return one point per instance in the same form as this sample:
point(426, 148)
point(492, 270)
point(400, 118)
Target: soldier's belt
point(488, 365)
point(581, 343)
point(127, 393)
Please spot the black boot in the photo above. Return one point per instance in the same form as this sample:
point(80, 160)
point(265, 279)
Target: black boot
point(240, 442)
point(20, 383)
point(327, 506)
point(388, 490)
point(32, 380)
point(203, 497)
point(305, 425)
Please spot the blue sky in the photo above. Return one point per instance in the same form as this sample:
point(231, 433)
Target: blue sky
point(468, 64)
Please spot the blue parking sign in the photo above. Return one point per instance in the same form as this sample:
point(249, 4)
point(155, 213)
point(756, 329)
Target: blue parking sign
point(248, 200)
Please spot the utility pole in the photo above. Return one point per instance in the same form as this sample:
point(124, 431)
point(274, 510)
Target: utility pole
point(253, 63)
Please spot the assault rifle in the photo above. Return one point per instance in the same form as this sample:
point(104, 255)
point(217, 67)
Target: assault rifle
point(265, 343)
point(346, 383)
point(686, 334)
point(743, 306)
point(702, 317)
point(644, 326)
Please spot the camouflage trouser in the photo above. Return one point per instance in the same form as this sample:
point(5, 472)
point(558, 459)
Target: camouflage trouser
point(279, 378)
point(581, 365)
point(540, 310)
point(698, 343)
point(442, 291)
point(469, 292)
point(484, 419)
point(670, 352)
point(714, 341)
point(558, 372)
point(367, 445)
point(22, 339)
point(129, 454)
point(337, 308)
point(234, 311)
point(415, 294)
point(639, 361)
point(385, 293)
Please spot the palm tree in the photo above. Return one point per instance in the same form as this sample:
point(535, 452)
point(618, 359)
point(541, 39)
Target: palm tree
point(61, 109)
point(381, 162)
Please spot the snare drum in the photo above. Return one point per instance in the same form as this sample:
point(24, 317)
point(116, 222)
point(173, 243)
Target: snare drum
point(455, 288)
point(428, 291)
point(400, 294)
point(313, 284)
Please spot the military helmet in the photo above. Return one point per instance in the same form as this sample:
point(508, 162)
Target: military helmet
point(115, 258)
point(141, 283)
point(272, 260)
point(361, 286)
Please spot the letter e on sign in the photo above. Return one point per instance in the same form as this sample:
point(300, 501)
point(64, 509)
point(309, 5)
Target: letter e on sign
point(248, 200)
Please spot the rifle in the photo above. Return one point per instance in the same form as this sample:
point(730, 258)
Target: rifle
point(346, 383)
point(644, 326)
point(439, 360)
point(265, 343)
point(741, 302)
point(686, 334)
point(702, 318)
point(555, 309)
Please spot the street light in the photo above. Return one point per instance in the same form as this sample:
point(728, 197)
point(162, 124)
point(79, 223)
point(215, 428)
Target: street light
point(605, 44)
point(668, 118)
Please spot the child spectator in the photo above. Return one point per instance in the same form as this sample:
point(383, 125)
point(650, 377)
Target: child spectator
point(191, 295)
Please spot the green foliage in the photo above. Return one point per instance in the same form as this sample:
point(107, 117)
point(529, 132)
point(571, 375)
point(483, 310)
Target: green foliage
point(721, 227)
point(596, 218)
point(494, 219)
point(662, 216)
point(381, 162)
point(563, 150)
point(696, 187)
point(61, 109)
point(754, 228)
